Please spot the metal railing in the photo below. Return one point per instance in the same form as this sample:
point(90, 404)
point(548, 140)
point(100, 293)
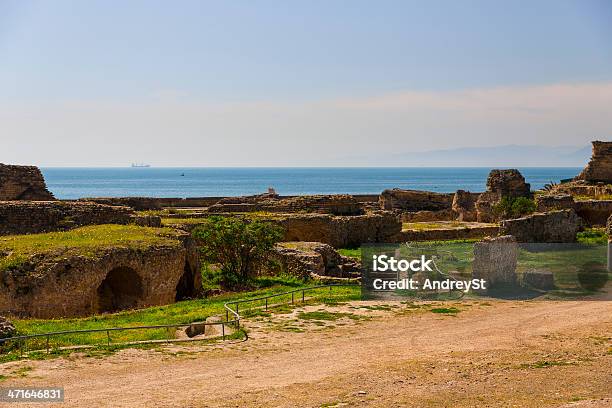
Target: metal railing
point(235, 322)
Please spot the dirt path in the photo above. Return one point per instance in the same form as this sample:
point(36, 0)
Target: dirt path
point(525, 354)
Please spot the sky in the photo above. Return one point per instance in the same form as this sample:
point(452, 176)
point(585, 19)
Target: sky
point(297, 83)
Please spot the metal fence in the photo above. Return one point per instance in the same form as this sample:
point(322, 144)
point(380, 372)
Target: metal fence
point(22, 341)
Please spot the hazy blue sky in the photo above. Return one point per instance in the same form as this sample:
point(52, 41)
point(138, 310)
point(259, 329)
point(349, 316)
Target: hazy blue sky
point(297, 83)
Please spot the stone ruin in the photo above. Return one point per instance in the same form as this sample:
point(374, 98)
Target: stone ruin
point(599, 169)
point(552, 227)
point(27, 217)
point(414, 200)
point(495, 261)
point(554, 202)
point(22, 183)
point(55, 285)
point(336, 204)
point(464, 205)
point(500, 183)
point(315, 260)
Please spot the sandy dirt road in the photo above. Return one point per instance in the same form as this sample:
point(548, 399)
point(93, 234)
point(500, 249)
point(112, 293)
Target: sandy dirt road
point(510, 354)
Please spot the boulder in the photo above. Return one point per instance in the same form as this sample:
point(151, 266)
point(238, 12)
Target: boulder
point(543, 280)
point(554, 226)
point(495, 261)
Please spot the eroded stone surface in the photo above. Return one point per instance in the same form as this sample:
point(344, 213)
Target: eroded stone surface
point(495, 261)
point(599, 169)
point(554, 226)
point(53, 285)
point(414, 200)
point(500, 183)
point(315, 259)
point(22, 183)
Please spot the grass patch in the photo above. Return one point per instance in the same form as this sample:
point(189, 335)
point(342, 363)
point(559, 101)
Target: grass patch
point(547, 364)
point(350, 252)
point(445, 310)
point(85, 241)
point(323, 315)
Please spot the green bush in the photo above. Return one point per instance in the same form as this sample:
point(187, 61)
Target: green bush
point(239, 247)
point(509, 207)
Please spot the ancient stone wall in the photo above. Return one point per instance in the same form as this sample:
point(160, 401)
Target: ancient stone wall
point(336, 204)
point(599, 169)
point(554, 226)
point(554, 202)
point(446, 234)
point(594, 212)
point(51, 286)
point(341, 231)
point(414, 200)
point(26, 217)
point(22, 183)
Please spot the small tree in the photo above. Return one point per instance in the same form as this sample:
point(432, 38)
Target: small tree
point(239, 246)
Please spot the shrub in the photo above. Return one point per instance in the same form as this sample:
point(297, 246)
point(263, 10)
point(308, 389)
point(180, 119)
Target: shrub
point(509, 207)
point(240, 247)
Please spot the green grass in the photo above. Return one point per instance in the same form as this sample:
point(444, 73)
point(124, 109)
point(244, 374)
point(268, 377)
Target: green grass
point(184, 312)
point(85, 241)
point(323, 315)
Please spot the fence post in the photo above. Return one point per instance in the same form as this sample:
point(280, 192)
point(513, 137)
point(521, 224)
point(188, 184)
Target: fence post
point(226, 315)
point(108, 337)
point(266, 304)
point(223, 330)
point(291, 297)
point(47, 344)
point(302, 295)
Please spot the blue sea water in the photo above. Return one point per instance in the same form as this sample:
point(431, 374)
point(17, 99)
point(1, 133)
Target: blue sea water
point(70, 183)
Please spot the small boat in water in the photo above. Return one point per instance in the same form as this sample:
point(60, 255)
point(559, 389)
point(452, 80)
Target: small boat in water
point(140, 165)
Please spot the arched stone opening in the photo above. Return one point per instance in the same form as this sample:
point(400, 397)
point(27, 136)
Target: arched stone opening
point(121, 289)
point(185, 288)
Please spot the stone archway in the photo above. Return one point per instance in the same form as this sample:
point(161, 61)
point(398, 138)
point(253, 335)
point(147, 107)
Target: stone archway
point(121, 289)
point(185, 288)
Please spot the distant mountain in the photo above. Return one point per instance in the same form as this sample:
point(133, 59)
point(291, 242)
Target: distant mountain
point(497, 156)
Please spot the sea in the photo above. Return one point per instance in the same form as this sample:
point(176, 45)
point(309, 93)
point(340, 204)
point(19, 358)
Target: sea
point(72, 183)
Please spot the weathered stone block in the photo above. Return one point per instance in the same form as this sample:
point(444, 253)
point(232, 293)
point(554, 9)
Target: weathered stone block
point(543, 280)
point(495, 261)
point(414, 200)
point(554, 202)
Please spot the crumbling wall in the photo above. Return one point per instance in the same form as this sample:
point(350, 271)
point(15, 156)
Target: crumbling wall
point(554, 202)
point(22, 183)
point(26, 217)
point(599, 169)
point(414, 200)
point(336, 204)
point(341, 231)
point(554, 226)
